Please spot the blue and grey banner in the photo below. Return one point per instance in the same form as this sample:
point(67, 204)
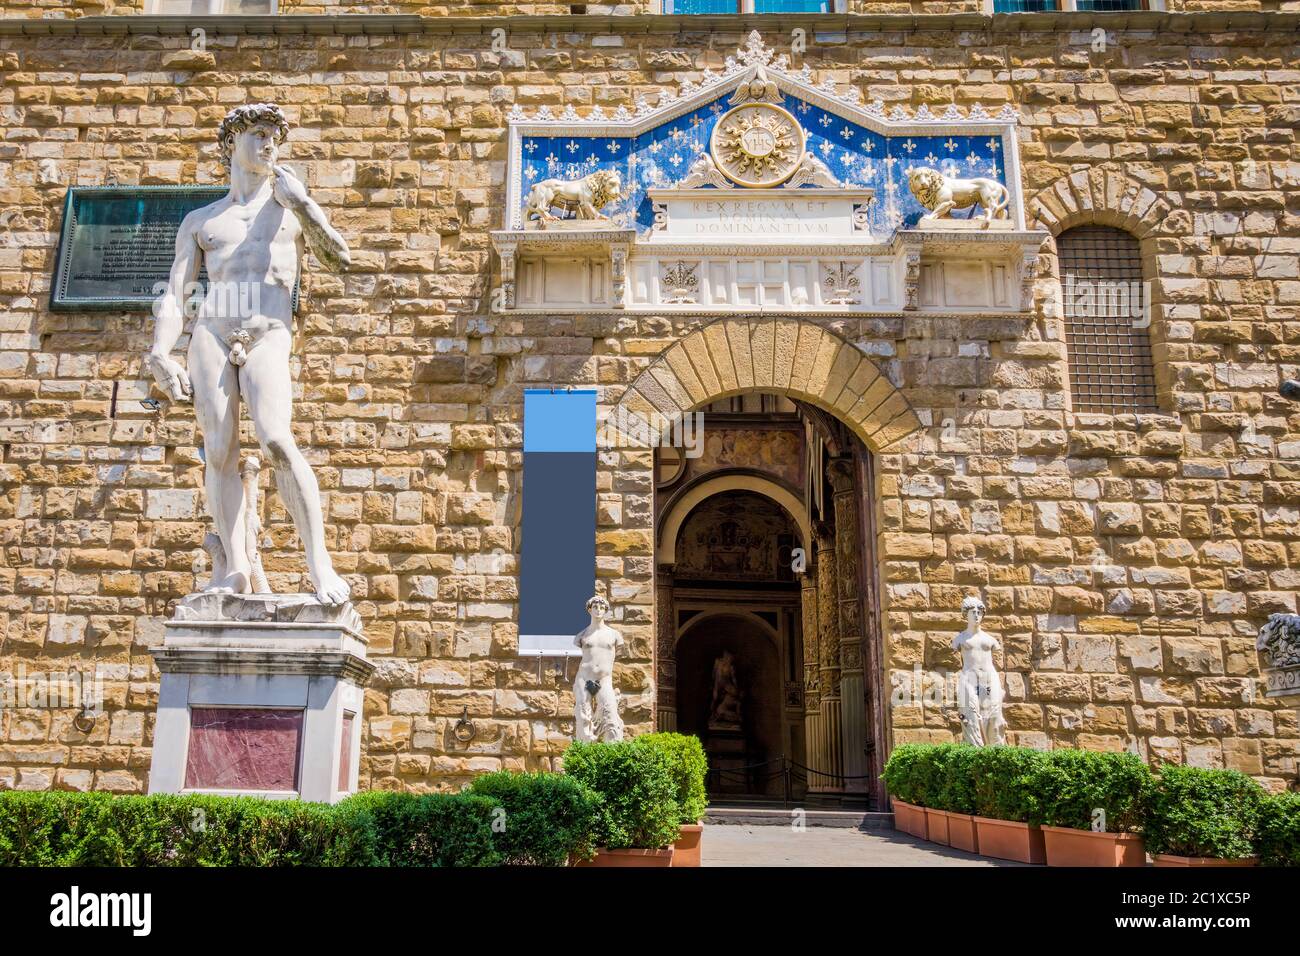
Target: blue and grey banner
point(557, 571)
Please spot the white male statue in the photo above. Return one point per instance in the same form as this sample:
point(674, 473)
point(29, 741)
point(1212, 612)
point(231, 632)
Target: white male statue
point(251, 241)
point(979, 688)
point(595, 704)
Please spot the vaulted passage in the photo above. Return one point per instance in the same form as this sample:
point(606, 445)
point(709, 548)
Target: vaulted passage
point(768, 640)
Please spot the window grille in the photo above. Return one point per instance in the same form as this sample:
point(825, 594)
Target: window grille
point(1107, 316)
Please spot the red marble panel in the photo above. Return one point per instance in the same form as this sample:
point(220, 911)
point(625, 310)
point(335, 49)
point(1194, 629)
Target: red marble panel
point(345, 752)
point(243, 748)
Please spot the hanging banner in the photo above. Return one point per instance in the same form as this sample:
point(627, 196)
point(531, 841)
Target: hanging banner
point(557, 573)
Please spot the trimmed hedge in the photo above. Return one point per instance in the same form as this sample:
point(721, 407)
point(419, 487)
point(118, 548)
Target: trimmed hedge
point(1006, 783)
point(690, 768)
point(370, 829)
point(1185, 810)
point(431, 829)
point(1277, 839)
point(638, 794)
point(1073, 784)
point(98, 829)
point(547, 817)
point(1204, 813)
point(900, 772)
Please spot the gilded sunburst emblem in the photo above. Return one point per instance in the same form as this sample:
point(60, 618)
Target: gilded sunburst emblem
point(757, 145)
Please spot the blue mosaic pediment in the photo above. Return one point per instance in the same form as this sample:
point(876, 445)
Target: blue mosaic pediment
point(863, 146)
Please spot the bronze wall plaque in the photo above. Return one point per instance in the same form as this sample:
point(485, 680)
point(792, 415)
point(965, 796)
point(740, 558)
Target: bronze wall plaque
point(118, 242)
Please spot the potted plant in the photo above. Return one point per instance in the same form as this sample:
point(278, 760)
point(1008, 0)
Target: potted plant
point(1203, 818)
point(1277, 835)
point(957, 796)
point(689, 767)
point(931, 776)
point(1007, 809)
point(901, 782)
point(638, 817)
point(1091, 805)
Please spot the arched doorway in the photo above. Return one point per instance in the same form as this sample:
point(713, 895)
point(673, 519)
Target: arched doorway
point(738, 655)
point(765, 551)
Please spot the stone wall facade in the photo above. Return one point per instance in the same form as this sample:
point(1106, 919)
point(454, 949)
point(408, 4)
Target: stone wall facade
point(1127, 563)
point(69, 9)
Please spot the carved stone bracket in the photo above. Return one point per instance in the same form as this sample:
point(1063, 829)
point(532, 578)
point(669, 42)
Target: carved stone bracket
point(912, 278)
point(1028, 273)
point(507, 250)
point(618, 271)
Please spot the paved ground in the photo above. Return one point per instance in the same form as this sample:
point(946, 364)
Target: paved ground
point(731, 845)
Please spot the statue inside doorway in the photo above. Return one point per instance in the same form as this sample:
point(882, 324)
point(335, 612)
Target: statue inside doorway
point(251, 241)
point(595, 702)
point(725, 709)
point(979, 688)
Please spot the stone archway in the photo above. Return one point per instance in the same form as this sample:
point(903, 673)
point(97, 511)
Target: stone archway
point(1103, 195)
point(796, 358)
point(806, 362)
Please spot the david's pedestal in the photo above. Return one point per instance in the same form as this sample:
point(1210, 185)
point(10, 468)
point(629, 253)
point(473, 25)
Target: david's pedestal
point(261, 695)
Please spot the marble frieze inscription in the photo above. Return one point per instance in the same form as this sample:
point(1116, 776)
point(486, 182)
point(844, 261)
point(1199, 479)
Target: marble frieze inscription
point(775, 213)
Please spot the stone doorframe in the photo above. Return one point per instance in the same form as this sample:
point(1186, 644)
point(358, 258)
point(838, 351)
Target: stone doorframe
point(800, 359)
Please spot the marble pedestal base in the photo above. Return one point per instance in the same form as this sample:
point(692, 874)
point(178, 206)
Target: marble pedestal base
point(261, 695)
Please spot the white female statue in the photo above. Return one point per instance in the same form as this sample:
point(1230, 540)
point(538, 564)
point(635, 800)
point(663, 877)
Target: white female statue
point(595, 704)
point(979, 688)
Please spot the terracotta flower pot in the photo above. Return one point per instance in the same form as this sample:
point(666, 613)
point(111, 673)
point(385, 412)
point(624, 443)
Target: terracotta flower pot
point(910, 818)
point(1009, 840)
point(686, 851)
point(630, 857)
point(1069, 847)
point(936, 822)
point(1172, 859)
point(961, 832)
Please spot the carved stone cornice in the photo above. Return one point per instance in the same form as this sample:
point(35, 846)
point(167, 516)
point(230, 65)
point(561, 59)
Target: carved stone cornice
point(373, 24)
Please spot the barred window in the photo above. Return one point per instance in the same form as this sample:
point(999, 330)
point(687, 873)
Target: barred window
point(1107, 315)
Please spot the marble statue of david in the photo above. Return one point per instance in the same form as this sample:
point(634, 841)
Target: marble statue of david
point(251, 241)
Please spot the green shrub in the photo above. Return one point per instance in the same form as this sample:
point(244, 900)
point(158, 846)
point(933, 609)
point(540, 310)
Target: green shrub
point(548, 816)
point(1204, 813)
point(380, 829)
point(1277, 837)
point(900, 774)
point(957, 792)
point(690, 768)
point(1071, 784)
point(1006, 783)
point(98, 829)
point(638, 806)
point(432, 829)
point(928, 775)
